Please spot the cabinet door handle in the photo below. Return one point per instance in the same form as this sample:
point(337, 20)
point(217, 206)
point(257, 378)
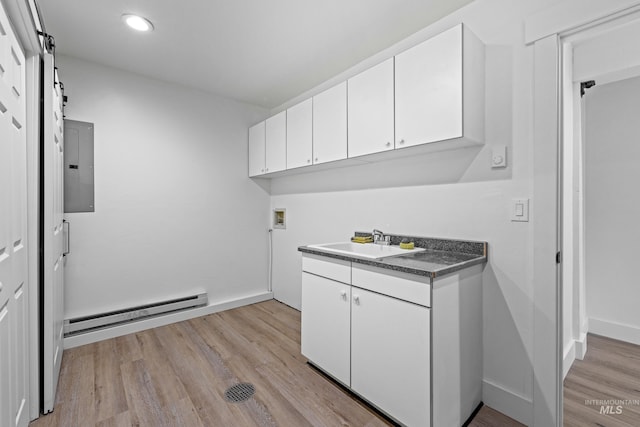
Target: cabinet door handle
point(316, 159)
point(343, 294)
point(308, 160)
point(388, 144)
point(401, 141)
point(356, 299)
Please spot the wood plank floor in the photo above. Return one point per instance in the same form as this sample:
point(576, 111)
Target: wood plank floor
point(610, 371)
point(176, 375)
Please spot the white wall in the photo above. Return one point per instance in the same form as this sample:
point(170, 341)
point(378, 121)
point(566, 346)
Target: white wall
point(173, 204)
point(595, 57)
point(612, 204)
point(451, 194)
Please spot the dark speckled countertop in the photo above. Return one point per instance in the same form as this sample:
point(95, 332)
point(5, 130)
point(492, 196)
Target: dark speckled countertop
point(441, 257)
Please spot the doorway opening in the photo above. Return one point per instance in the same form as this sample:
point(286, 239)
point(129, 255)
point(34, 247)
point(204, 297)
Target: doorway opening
point(600, 202)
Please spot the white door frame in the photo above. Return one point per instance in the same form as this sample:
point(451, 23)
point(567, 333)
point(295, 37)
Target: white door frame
point(544, 30)
point(573, 145)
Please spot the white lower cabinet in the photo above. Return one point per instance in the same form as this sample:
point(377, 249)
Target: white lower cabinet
point(326, 316)
point(390, 355)
point(408, 344)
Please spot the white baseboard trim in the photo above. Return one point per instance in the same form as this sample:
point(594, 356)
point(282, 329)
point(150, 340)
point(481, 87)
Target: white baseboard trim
point(568, 358)
point(518, 407)
point(615, 330)
point(581, 346)
point(117, 331)
point(575, 350)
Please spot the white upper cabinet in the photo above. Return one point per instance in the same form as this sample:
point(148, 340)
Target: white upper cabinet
point(440, 89)
point(429, 93)
point(276, 143)
point(300, 134)
point(257, 149)
point(370, 96)
point(330, 124)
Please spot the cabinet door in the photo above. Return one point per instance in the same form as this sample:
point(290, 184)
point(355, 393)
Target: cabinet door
point(325, 325)
point(256, 149)
point(390, 358)
point(428, 81)
point(276, 143)
point(300, 134)
point(370, 107)
point(330, 124)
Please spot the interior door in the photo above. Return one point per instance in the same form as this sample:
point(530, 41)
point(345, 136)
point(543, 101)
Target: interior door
point(14, 350)
point(53, 232)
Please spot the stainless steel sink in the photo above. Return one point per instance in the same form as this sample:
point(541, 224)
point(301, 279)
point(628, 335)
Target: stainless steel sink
point(364, 250)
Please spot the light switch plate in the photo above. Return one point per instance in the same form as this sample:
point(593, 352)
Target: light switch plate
point(499, 156)
point(520, 210)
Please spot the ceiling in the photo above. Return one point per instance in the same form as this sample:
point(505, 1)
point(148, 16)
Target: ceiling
point(263, 52)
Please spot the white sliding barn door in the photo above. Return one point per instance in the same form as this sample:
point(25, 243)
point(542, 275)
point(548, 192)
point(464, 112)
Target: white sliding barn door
point(53, 210)
point(14, 350)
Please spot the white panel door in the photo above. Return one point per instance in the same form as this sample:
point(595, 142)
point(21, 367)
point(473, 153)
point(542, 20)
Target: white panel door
point(256, 149)
point(370, 96)
point(53, 232)
point(429, 90)
point(390, 357)
point(14, 285)
point(330, 124)
point(300, 134)
point(276, 143)
point(325, 325)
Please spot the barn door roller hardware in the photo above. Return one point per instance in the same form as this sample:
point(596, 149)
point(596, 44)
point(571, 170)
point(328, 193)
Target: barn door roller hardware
point(586, 85)
point(49, 42)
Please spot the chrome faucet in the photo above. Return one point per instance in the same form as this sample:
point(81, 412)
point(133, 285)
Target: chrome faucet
point(379, 237)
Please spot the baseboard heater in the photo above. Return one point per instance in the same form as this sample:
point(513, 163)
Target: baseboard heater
point(81, 325)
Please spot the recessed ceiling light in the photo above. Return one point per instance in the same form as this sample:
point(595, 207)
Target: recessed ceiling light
point(137, 22)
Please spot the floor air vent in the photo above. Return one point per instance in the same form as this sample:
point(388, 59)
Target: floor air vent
point(239, 392)
point(81, 325)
